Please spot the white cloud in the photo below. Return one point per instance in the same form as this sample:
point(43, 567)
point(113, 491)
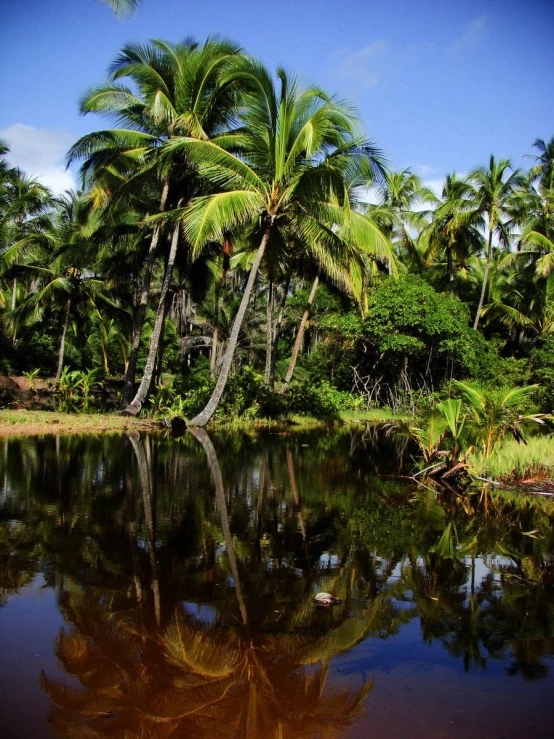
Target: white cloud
point(424, 169)
point(474, 33)
point(434, 184)
point(362, 66)
point(40, 153)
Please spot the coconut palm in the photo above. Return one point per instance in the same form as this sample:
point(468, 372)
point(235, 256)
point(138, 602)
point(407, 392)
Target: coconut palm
point(496, 412)
point(64, 281)
point(544, 168)
point(123, 8)
point(174, 89)
point(493, 185)
point(451, 234)
point(283, 169)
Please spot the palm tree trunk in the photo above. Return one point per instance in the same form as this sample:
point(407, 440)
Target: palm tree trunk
point(143, 303)
point(204, 416)
point(213, 355)
point(133, 409)
point(277, 333)
point(61, 352)
point(269, 331)
point(485, 280)
point(300, 334)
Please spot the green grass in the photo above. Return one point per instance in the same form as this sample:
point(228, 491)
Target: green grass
point(512, 460)
point(373, 415)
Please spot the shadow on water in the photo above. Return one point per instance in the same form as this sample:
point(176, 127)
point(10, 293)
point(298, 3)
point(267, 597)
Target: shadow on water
point(185, 569)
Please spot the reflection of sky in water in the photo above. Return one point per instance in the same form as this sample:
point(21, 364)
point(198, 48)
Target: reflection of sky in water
point(201, 612)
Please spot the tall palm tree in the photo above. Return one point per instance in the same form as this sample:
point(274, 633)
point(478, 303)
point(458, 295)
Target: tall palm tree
point(283, 169)
point(175, 89)
point(494, 186)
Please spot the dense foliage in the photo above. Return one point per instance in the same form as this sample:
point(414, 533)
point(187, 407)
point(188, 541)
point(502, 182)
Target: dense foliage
point(219, 247)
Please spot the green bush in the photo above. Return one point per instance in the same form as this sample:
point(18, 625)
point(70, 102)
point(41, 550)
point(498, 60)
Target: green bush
point(321, 400)
point(541, 368)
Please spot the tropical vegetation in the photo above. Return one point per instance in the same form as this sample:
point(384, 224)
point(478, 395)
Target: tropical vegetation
point(221, 258)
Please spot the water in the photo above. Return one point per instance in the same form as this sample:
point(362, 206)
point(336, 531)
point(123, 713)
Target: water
point(155, 587)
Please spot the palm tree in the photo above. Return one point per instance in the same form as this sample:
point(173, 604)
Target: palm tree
point(64, 280)
point(293, 150)
point(494, 186)
point(451, 233)
point(176, 89)
point(545, 163)
point(25, 203)
point(123, 8)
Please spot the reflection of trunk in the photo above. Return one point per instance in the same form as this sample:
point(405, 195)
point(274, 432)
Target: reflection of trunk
point(294, 491)
point(269, 331)
point(202, 418)
point(277, 333)
point(133, 534)
point(300, 334)
point(146, 487)
point(61, 352)
point(215, 472)
point(134, 408)
point(143, 304)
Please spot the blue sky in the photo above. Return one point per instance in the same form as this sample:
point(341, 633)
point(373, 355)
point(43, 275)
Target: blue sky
point(439, 87)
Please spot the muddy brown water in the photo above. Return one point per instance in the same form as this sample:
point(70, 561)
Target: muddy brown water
point(153, 586)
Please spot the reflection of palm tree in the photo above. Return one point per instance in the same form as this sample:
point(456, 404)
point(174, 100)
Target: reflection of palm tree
point(146, 486)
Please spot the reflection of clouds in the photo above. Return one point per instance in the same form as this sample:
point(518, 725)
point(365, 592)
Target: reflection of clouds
point(328, 561)
point(40, 153)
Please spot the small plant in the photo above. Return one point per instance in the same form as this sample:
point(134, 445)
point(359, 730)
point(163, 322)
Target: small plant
point(32, 376)
point(68, 384)
point(87, 381)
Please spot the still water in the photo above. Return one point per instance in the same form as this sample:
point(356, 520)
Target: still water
point(153, 586)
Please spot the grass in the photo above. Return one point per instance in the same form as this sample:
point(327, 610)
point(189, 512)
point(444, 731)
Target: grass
point(373, 415)
point(21, 422)
point(515, 461)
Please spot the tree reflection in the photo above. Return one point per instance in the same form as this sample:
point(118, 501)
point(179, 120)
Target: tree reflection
point(226, 677)
point(186, 577)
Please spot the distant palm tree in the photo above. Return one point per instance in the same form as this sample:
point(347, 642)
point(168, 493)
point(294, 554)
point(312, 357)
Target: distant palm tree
point(123, 8)
point(545, 163)
point(494, 185)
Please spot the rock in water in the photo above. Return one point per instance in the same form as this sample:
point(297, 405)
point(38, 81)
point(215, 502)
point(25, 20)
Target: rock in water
point(326, 599)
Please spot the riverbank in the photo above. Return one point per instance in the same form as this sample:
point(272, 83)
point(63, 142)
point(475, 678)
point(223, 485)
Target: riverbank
point(24, 423)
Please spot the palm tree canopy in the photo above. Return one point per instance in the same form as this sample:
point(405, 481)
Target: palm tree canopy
point(293, 164)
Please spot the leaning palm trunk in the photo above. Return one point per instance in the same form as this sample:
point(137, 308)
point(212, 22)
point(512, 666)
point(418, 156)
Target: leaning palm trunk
point(133, 409)
point(204, 416)
point(485, 280)
point(141, 309)
point(269, 332)
point(277, 334)
point(61, 352)
point(300, 334)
